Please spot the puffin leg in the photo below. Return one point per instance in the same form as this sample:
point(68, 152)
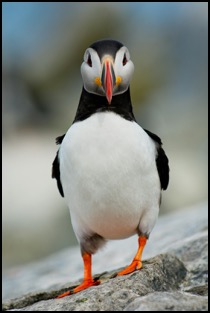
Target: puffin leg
point(136, 264)
point(88, 280)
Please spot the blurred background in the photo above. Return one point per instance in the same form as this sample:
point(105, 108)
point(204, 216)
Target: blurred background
point(43, 47)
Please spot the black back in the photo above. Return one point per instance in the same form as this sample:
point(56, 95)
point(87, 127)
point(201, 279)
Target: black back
point(161, 161)
point(56, 172)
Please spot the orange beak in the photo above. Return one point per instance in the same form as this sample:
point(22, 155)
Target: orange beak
point(108, 78)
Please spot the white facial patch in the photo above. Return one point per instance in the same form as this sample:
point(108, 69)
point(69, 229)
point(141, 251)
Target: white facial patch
point(90, 71)
point(124, 68)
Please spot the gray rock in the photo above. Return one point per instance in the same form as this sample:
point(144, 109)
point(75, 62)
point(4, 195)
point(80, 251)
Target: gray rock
point(176, 277)
point(168, 301)
point(164, 272)
point(193, 251)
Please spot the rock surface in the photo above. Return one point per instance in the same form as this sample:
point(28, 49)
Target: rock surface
point(168, 301)
point(174, 278)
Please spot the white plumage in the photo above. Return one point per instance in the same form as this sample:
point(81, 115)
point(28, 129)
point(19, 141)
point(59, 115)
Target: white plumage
point(109, 177)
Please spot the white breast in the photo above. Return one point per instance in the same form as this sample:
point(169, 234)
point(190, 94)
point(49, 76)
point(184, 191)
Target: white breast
point(109, 176)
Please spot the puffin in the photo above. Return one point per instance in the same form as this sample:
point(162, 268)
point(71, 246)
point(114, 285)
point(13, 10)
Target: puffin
point(109, 169)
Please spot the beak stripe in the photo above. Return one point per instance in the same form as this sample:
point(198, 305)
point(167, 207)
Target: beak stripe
point(108, 83)
point(103, 76)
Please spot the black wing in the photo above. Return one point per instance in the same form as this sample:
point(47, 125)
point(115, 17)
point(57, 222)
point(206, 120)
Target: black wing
point(161, 161)
point(56, 167)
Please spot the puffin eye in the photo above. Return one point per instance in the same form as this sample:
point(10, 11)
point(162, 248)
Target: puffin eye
point(89, 61)
point(124, 60)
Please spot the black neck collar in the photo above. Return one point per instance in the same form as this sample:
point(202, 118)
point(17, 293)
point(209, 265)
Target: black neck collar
point(90, 103)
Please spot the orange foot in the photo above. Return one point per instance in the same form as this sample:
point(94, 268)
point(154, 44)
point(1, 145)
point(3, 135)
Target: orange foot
point(135, 265)
point(86, 284)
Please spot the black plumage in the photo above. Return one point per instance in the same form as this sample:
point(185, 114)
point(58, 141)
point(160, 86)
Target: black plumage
point(56, 167)
point(107, 44)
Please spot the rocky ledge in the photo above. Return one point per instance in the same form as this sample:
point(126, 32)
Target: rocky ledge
point(173, 277)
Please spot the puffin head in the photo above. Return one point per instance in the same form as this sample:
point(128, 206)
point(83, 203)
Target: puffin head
point(107, 68)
